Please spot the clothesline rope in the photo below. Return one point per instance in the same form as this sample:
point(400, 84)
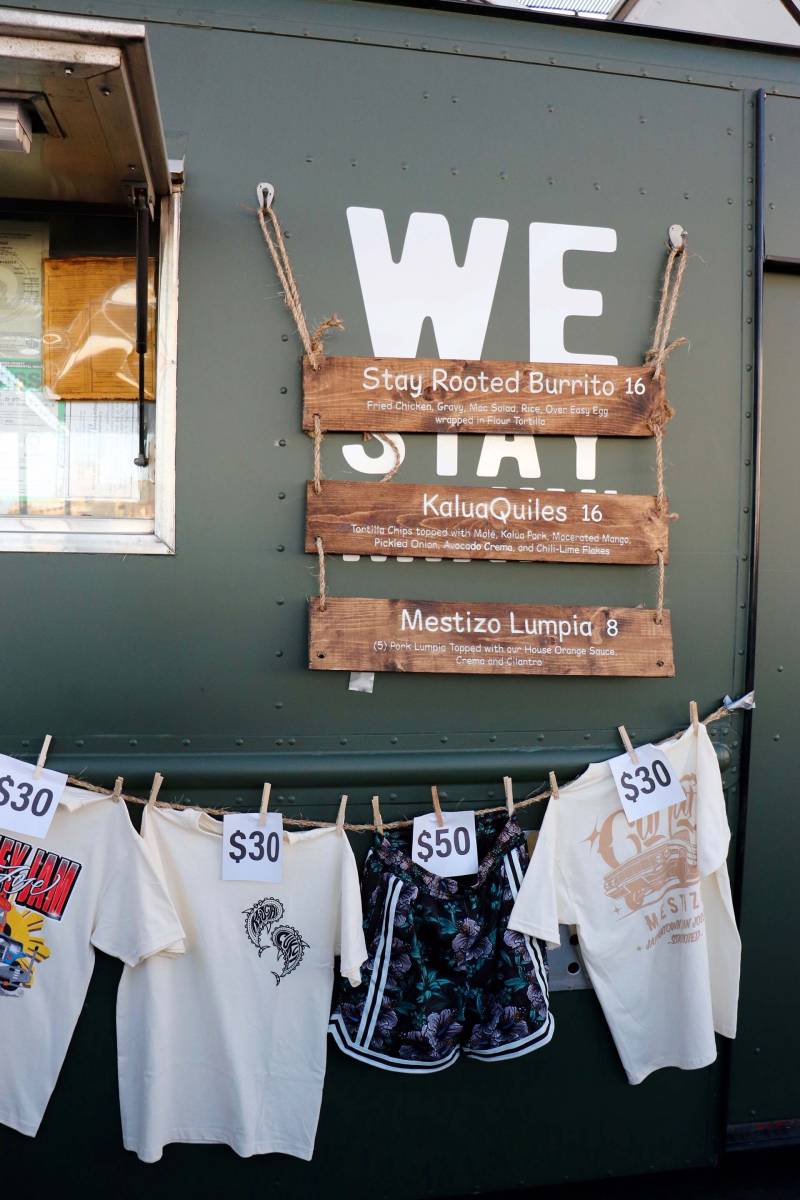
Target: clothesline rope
point(303, 823)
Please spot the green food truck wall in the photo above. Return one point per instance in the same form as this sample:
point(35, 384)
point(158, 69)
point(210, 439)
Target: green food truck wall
point(196, 665)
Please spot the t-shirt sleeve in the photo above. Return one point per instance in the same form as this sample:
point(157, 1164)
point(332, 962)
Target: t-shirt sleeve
point(536, 911)
point(713, 831)
point(350, 943)
point(135, 917)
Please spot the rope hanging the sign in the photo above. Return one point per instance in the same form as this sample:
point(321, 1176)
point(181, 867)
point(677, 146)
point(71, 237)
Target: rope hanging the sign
point(656, 356)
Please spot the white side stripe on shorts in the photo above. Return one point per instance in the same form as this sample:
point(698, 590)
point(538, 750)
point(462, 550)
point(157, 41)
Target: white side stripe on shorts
point(377, 960)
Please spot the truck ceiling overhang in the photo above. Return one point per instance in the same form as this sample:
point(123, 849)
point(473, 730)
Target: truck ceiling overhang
point(89, 86)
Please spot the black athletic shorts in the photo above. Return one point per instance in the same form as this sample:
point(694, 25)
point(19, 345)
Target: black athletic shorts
point(444, 973)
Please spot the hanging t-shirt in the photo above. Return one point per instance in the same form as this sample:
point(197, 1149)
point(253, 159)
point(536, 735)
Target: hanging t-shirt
point(652, 905)
point(88, 884)
point(228, 1042)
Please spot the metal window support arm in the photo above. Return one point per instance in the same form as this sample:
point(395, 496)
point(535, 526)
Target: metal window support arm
point(141, 206)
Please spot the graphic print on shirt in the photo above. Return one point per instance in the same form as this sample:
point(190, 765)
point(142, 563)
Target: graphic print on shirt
point(33, 885)
point(653, 861)
point(287, 941)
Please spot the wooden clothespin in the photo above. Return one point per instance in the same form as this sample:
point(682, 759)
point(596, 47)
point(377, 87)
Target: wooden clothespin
point(693, 717)
point(262, 812)
point(509, 794)
point(553, 785)
point(437, 808)
point(626, 741)
point(377, 820)
point(340, 815)
point(154, 790)
point(42, 756)
point(117, 792)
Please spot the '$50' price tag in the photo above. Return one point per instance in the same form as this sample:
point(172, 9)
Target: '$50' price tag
point(648, 785)
point(252, 851)
point(445, 850)
point(28, 805)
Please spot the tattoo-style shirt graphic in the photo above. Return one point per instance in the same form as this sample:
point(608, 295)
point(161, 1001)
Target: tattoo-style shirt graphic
point(34, 884)
point(260, 925)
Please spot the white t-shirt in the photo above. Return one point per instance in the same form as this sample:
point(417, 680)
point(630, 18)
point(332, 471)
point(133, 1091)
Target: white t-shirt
point(652, 905)
point(228, 1042)
point(88, 884)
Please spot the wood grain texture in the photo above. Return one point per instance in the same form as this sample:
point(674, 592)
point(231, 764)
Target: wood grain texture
point(447, 637)
point(429, 395)
point(417, 520)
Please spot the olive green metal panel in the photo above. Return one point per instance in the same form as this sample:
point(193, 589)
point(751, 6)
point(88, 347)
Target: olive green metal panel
point(198, 661)
point(764, 1084)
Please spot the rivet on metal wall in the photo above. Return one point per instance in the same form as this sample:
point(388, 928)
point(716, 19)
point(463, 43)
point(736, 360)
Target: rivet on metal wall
point(281, 495)
point(186, 742)
point(284, 337)
point(79, 742)
point(540, 737)
point(292, 741)
point(279, 654)
point(342, 741)
point(394, 740)
point(279, 742)
point(503, 175)
point(133, 742)
point(280, 549)
point(492, 737)
point(279, 704)
point(284, 390)
point(282, 441)
point(239, 741)
point(642, 191)
point(353, 162)
point(280, 601)
point(443, 738)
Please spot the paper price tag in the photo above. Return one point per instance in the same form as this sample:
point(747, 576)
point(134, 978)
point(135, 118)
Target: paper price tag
point(28, 805)
point(647, 786)
point(250, 851)
point(446, 850)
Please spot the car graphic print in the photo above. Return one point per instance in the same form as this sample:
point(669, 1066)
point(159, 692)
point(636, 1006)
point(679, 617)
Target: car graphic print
point(650, 857)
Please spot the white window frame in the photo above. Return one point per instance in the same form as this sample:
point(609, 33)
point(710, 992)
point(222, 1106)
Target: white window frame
point(128, 535)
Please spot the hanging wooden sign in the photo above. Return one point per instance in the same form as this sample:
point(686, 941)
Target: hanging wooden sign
point(417, 520)
point(430, 395)
point(445, 637)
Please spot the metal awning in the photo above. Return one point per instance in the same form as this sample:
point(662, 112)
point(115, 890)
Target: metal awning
point(89, 89)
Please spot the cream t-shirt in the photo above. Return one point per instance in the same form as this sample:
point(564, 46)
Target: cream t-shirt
point(227, 1043)
point(652, 905)
point(88, 884)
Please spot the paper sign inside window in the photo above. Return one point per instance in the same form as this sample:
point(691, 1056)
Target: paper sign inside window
point(89, 329)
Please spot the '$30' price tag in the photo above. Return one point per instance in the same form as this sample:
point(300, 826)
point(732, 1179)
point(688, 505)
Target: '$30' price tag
point(445, 850)
point(648, 785)
point(28, 805)
point(252, 851)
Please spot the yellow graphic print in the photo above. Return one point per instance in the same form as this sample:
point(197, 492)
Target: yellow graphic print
point(21, 948)
point(651, 859)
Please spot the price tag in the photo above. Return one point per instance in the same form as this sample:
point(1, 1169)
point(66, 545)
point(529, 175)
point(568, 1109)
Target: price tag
point(250, 851)
point(646, 786)
point(28, 805)
point(446, 850)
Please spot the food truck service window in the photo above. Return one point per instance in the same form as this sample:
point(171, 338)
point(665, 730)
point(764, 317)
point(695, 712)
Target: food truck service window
point(89, 232)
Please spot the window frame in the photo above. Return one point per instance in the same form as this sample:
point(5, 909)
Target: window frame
point(129, 535)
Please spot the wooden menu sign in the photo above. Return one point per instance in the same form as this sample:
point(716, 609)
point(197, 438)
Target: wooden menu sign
point(445, 637)
point(431, 395)
point(415, 520)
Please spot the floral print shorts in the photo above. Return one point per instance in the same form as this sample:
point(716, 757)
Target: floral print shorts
point(444, 973)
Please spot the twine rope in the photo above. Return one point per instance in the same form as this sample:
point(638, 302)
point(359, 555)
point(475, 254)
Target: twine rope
point(313, 343)
point(303, 823)
point(656, 356)
point(323, 590)
point(393, 446)
point(317, 454)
